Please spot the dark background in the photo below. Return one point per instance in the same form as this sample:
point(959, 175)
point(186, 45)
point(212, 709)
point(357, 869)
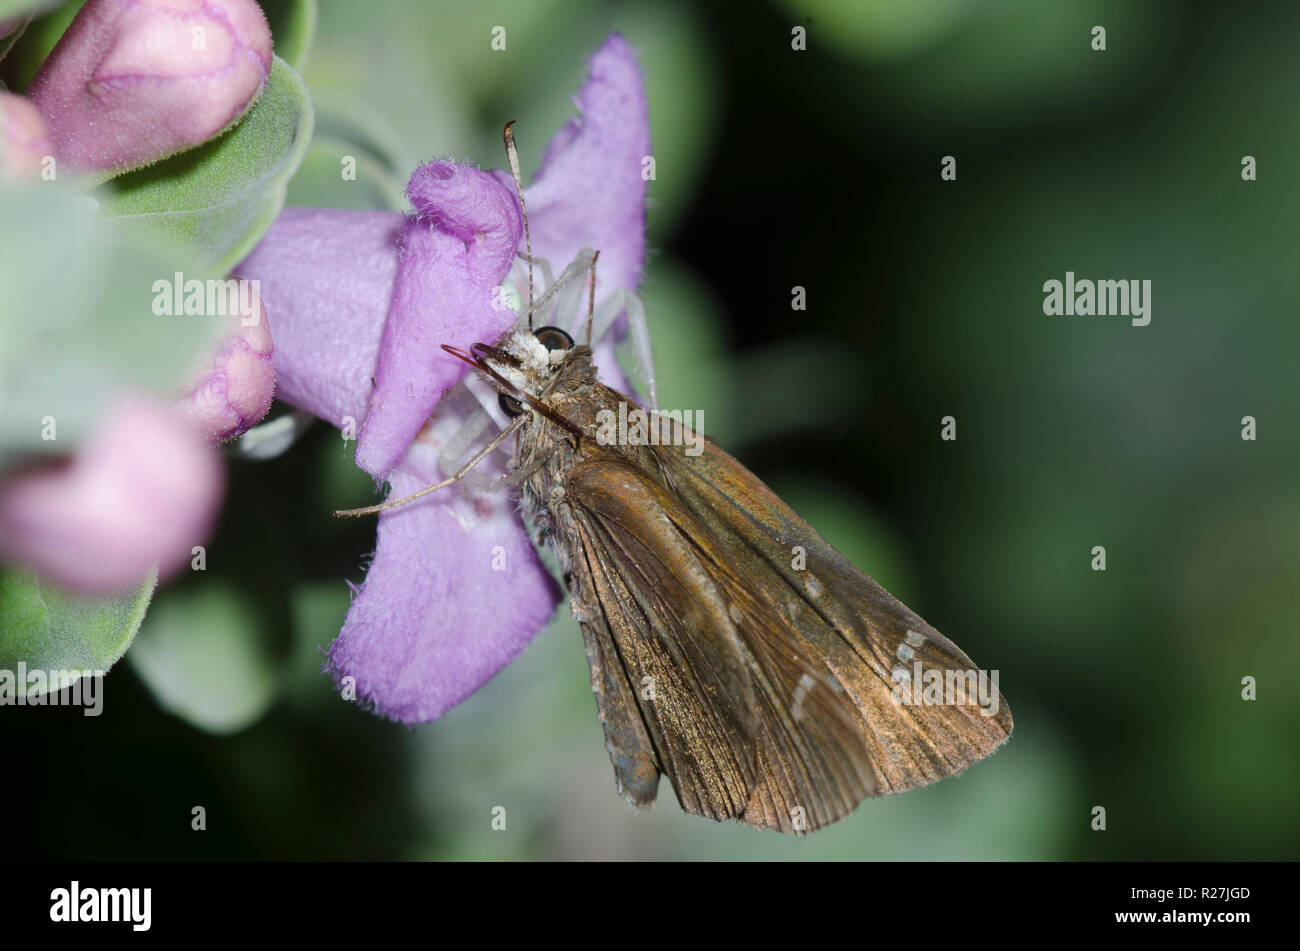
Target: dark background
point(818, 168)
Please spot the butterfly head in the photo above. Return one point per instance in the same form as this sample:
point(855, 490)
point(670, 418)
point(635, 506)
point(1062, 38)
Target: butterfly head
point(523, 366)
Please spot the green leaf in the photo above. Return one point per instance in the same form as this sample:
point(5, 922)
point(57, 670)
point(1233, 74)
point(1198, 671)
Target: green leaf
point(12, 8)
point(383, 68)
point(293, 27)
point(354, 124)
point(205, 655)
point(320, 181)
point(48, 23)
point(16, 30)
point(318, 609)
point(60, 633)
point(217, 200)
point(77, 325)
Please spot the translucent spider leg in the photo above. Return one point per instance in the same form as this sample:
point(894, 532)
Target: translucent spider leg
point(577, 267)
point(638, 334)
point(548, 276)
point(571, 309)
point(543, 265)
point(469, 431)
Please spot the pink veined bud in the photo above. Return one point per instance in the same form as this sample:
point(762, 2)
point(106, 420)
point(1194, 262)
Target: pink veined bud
point(24, 139)
point(143, 490)
point(133, 81)
point(233, 389)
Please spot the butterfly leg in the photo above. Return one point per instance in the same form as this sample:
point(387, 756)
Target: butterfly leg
point(460, 474)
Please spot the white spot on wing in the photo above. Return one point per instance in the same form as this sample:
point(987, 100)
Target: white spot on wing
point(805, 684)
point(907, 650)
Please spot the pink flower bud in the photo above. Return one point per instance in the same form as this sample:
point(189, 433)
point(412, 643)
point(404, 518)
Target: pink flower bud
point(233, 389)
point(133, 81)
point(24, 139)
point(143, 490)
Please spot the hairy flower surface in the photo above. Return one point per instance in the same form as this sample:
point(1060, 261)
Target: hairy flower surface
point(133, 81)
point(455, 590)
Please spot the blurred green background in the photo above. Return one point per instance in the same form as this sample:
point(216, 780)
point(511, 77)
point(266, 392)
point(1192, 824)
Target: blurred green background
point(817, 168)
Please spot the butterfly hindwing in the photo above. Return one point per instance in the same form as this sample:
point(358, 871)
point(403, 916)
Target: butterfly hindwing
point(864, 636)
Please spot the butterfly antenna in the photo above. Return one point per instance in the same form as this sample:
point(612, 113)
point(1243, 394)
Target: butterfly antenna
point(591, 296)
point(512, 155)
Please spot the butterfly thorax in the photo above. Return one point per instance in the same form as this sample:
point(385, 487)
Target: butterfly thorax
point(547, 451)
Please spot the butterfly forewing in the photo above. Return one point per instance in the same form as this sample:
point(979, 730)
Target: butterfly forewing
point(763, 685)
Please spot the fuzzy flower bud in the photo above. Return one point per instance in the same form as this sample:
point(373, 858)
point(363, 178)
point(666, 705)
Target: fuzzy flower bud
point(142, 491)
point(133, 81)
point(233, 389)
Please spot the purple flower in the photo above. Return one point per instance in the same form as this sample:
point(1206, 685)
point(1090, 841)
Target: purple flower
point(133, 81)
point(455, 590)
point(142, 491)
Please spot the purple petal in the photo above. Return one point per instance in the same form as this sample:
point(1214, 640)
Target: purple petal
point(433, 620)
point(328, 275)
point(589, 191)
point(456, 248)
point(326, 278)
point(142, 491)
point(454, 593)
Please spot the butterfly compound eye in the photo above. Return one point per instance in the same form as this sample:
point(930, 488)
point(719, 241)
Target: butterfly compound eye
point(553, 338)
point(509, 405)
